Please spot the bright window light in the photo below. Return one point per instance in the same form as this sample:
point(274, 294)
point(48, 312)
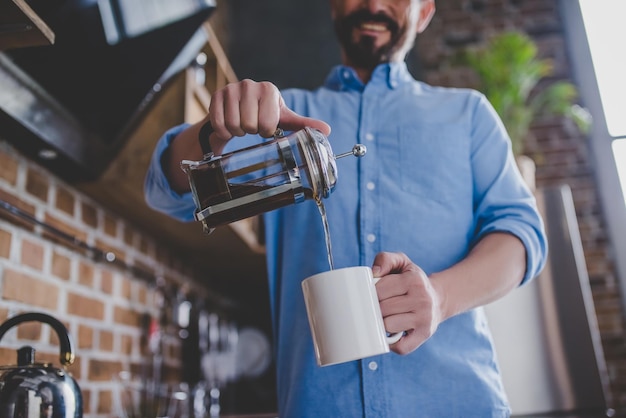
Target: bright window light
point(604, 21)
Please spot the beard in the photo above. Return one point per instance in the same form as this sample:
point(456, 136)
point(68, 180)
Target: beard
point(364, 53)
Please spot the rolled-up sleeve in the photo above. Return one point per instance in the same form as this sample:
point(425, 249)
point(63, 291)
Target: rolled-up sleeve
point(157, 191)
point(502, 200)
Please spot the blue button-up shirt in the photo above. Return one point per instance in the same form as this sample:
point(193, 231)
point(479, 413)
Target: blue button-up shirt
point(438, 175)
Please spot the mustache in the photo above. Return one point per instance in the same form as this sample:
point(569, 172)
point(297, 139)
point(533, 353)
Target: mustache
point(356, 18)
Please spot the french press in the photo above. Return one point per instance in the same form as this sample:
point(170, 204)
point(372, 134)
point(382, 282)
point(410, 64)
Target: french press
point(284, 170)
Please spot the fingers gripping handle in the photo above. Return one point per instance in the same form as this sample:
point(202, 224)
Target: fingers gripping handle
point(203, 137)
point(395, 337)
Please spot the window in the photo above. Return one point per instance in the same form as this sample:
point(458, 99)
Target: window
point(602, 20)
point(594, 33)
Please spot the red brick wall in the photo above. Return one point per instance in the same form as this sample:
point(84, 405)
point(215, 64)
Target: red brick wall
point(101, 304)
point(561, 153)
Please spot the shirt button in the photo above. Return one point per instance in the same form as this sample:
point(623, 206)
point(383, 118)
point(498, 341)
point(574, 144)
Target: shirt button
point(372, 365)
point(346, 74)
point(369, 137)
point(371, 186)
point(371, 238)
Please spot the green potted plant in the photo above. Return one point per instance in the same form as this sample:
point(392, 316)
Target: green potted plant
point(508, 72)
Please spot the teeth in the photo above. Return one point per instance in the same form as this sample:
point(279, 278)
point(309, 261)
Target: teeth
point(377, 27)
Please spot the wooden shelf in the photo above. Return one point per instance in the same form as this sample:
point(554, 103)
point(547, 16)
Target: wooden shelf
point(21, 27)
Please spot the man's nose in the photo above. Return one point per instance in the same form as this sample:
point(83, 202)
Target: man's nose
point(375, 6)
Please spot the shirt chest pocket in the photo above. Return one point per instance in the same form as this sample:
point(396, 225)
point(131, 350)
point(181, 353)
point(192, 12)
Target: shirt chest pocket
point(431, 161)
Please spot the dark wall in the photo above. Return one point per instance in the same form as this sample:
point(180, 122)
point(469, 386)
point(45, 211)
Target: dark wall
point(290, 43)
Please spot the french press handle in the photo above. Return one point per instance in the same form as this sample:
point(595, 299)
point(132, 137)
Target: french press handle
point(67, 354)
point(205, 132)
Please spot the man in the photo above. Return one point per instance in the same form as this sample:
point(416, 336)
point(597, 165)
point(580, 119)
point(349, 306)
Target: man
point(437, 207)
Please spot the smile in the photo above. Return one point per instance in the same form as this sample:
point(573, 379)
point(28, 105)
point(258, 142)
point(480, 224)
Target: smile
point(373, 27)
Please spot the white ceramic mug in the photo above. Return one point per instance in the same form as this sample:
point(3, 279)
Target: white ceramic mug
point(344, 315)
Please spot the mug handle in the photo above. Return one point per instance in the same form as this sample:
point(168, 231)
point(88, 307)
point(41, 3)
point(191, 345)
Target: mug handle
point(395, 337)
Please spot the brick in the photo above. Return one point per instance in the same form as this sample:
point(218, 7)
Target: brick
point(127, 345)
point(8, 168)
point(85, 274)
point(144, 245)
point(45, 355)
point(27, 289)
point(110, 225)
point(5, 243)
point(84, 306)
point(102, 370)
point(106, 340)
point(128, 235)
point(8, 356)
point(89, 215)
point(75, 369)
point(19, 204)
point(136, 368)
point(32, 254)
point(105, 402)
point(61, 266)
point(65, 200)
point(4, 315)
point(37, 184)
point(30, 331)
point(142, 295)
point(126, 316)
point(54, 338)
point(119, 254)
point(85, 337)
point(126, 288)
point(86, 394)
point(106, 282)
point(63, 226)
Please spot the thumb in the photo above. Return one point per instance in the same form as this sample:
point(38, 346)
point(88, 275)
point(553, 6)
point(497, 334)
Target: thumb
point(388, 263)
point(291, 121)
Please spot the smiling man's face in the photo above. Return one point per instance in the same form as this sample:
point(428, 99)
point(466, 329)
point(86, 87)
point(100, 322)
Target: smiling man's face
point(372, 32)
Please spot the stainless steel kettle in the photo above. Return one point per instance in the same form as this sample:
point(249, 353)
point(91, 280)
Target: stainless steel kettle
point(39, 390)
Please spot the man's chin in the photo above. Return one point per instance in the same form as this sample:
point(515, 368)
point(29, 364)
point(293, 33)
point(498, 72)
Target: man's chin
point(367, 58)
point(366, 62)
point(376, 39)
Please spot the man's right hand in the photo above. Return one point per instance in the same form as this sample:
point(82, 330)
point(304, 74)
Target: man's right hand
point(245, 107)
point(250, 107)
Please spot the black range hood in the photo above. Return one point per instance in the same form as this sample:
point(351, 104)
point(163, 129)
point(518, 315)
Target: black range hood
point(72, 105)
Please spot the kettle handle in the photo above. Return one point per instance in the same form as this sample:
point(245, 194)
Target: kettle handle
point(67, 354)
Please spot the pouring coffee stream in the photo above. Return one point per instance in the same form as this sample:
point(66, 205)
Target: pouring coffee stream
point(358, 150)
point(284, 170)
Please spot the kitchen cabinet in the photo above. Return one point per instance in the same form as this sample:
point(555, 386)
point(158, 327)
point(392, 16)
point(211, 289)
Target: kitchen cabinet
point(21, 27)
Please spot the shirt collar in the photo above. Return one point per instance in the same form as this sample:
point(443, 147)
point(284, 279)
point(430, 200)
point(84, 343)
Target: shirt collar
point(392, 75)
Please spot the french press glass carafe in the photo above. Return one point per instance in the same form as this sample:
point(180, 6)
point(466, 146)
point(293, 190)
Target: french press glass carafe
point(284, 170)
